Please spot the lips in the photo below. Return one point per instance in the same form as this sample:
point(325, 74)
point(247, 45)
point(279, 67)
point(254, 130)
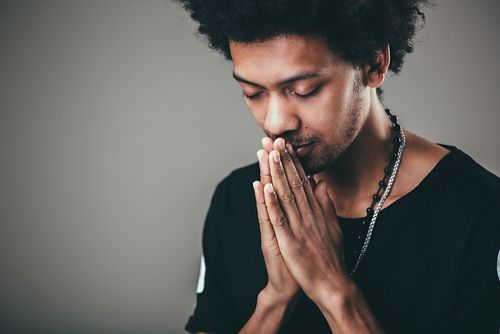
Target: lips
point(295, 147)
point(303, 150)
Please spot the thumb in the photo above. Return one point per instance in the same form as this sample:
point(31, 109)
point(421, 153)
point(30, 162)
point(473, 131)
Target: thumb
point(325, 201)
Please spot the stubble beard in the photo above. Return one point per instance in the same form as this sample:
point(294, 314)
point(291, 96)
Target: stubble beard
point(329, 153)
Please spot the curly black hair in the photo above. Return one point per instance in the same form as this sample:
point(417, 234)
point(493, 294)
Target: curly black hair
point(354, 29)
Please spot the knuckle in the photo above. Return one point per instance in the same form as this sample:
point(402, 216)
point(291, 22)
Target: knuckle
point(280, 171)
point(273, 205)
point(296, 183)
point(264, 221)
point(264, 176)
point(286, 157)
point(267, 242)
point(261, 203)
point(288, 198)
point(280, 220)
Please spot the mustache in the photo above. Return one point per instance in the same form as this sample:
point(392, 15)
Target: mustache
point(298, 143)
point(295, 142)
point(302, 144)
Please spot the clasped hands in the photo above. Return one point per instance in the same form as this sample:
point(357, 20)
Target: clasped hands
point(301, 239)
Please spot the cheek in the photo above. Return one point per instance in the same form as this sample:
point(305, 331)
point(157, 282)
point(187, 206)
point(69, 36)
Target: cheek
point(326, 111)
point(260, 116)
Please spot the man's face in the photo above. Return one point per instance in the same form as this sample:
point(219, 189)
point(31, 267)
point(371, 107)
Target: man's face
point(330, 117)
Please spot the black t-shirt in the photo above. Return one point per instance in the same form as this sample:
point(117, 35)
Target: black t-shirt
point(430, 267)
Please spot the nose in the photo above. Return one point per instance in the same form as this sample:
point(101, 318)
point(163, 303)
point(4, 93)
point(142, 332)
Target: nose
point(280, 116)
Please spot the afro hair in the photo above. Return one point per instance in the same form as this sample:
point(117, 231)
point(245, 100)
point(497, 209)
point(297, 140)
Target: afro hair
point(354, 29)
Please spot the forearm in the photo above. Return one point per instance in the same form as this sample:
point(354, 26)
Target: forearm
point(270, 314)
point(348, 312)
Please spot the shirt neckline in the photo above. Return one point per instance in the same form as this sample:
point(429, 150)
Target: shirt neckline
point(453, 152)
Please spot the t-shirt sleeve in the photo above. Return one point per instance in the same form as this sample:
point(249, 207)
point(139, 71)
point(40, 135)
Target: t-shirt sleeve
point(478, 303)
point(213, 309)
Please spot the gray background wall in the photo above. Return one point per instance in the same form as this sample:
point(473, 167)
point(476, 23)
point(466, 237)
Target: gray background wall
point(115, 126)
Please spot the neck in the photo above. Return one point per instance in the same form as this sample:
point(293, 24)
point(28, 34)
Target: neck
point(354, 177)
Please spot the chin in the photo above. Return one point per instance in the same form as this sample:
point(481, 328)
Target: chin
point(314, 170)
point(312, 166)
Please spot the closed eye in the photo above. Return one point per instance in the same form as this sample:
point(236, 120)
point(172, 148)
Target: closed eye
point(300, 96)
point(308, 95)
point(251, 97)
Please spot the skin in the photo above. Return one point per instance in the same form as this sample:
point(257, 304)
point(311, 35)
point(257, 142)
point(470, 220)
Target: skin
point(301, 238)
point(352, 134)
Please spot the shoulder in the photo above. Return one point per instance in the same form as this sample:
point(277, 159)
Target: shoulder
point(444, 180)
point(468, 178)
point(236, 223)
point(451, 186)
point(234, 195)
point(451, 170)
point(468, 193)
point(232, 202)
point(241, 178)
point(447, 172)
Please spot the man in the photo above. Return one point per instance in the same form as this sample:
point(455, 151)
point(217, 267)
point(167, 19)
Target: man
point(355, 225)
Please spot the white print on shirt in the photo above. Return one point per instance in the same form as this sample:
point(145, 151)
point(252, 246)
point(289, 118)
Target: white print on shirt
point(201, 278)
point(498, 267)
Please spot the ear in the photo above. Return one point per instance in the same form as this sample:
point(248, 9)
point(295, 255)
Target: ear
point(376, 70)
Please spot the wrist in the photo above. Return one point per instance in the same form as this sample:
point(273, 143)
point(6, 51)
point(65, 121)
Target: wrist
point(333, 297)
point(346, 310)
point(270, 297)
point(270, 313)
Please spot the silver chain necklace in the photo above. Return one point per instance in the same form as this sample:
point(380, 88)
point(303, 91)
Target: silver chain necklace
point(399, 139)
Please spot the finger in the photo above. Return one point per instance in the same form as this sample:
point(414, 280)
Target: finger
point(312, 182)
point(267, 235)
point(307, 184)
point(328, 208)
point(325, 201)
point(267, 144)
point(283, 192)
point(294, 181)
point(265, 173)
point(277, 217)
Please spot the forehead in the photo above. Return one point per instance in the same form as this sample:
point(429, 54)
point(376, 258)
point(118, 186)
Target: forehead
point(293, 52)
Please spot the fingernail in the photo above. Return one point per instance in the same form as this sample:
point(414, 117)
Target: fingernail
point(289, 148)
point(281, 143)
point(276, 156)
point(259, 154)
point(269, 188)
point(254, 184)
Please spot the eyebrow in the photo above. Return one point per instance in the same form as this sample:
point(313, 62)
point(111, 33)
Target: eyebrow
point(301, 76)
